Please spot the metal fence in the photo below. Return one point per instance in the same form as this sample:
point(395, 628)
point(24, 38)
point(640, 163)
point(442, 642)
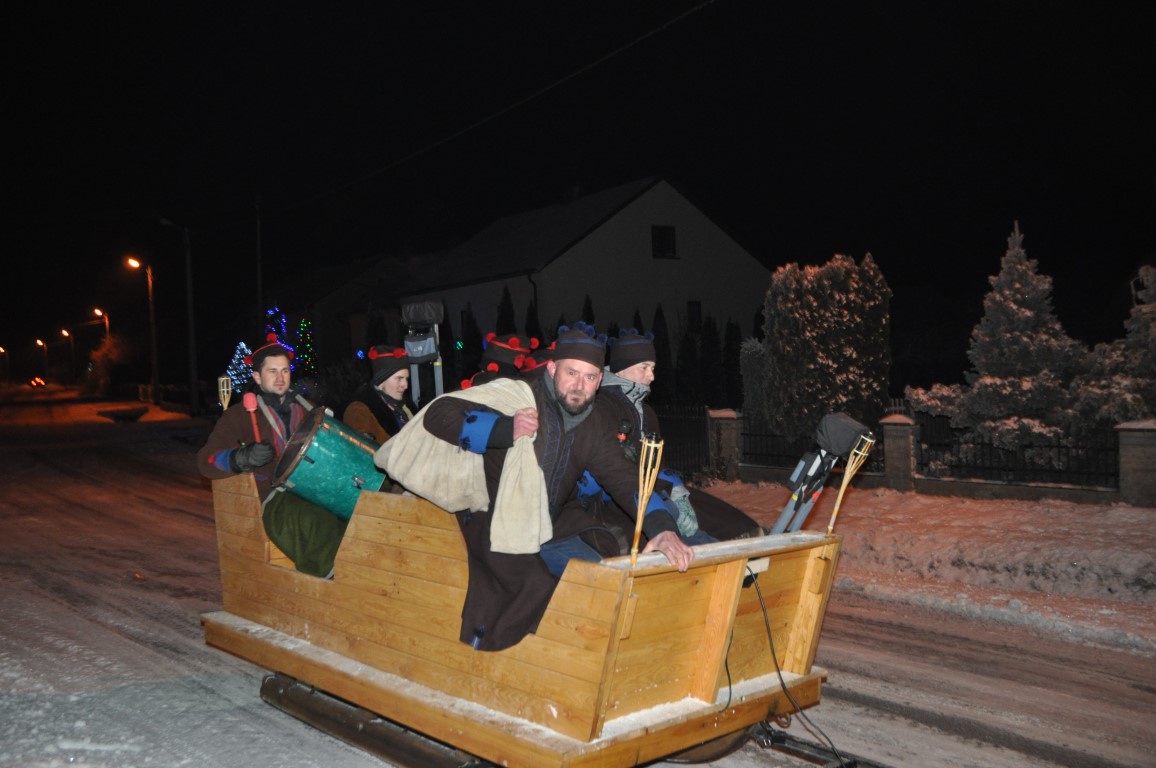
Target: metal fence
point(686, 438)
point(944, 452)
point(941, 451)
point(767, 449)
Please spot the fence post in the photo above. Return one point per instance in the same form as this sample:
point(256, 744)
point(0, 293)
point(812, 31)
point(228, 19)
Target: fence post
point(899, 452)
point(1138, 462)
point(724, 427)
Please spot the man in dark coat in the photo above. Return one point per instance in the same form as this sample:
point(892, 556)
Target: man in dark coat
point(307, 533)
point(622, 396)
point(507, 593)
point(379, 408)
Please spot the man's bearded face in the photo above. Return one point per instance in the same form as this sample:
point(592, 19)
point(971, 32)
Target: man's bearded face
point(575, 384)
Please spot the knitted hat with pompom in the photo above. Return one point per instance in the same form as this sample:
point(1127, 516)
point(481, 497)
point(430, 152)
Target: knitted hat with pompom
point(631, 348)
point(386, 361)
point(580, 342)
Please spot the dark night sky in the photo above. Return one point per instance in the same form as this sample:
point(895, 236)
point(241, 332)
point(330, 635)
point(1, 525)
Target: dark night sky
point(916, 132)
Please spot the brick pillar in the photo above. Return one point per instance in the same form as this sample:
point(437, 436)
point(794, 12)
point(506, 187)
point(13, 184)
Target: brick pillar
point(725, 428)
point(1138, 462)
point(899, 452)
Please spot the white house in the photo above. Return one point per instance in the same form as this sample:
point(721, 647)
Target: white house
point(628, 248)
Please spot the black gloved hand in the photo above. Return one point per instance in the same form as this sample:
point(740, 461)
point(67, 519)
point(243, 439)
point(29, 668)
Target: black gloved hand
point(249, 457)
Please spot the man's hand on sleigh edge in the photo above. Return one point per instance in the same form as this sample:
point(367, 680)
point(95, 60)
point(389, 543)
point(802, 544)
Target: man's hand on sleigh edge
point(669, 544)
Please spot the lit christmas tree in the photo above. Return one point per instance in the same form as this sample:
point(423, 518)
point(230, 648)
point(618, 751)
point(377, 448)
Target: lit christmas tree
point(238, 370)
point(303, 358)
point(276, 322)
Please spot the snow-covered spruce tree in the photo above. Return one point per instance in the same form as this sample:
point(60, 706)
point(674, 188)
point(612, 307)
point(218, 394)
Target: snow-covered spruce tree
point(827, 330)
point(1023, 364)
point(1120, 384)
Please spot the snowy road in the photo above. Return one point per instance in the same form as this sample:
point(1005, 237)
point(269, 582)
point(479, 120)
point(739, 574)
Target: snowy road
point(108, 558)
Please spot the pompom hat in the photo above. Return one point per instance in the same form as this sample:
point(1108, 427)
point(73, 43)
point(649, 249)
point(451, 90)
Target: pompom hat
point(385, 362)
point(580, 343)
point(541, 356)
point(271, 348)
point(504, 355)
point(507, 353)
point(631, 348)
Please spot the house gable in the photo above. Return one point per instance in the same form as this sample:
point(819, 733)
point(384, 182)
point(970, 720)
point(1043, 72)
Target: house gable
point(609, 257)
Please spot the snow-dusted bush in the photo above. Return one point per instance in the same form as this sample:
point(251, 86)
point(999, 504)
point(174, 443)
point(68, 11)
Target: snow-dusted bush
point(826, 346)
point(1120, 384)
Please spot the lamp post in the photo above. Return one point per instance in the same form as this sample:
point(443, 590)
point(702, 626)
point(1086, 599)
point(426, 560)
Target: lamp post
point(154, 384)
point(7, 369)
point(71, 354)
point(102, 314)
point(187, 237)
point(40, 343)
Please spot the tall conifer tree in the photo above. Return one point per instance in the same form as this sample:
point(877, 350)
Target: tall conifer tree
point(505, 322)
point(1017, 391)
point(663, 390)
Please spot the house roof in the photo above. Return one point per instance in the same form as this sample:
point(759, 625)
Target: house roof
point(520, 244)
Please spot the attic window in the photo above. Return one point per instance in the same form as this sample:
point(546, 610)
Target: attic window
point(662, 242)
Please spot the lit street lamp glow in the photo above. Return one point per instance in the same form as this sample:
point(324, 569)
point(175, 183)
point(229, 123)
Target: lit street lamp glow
point(102, 314)
point(154, 385)
point(40, 343)
point(71, 353)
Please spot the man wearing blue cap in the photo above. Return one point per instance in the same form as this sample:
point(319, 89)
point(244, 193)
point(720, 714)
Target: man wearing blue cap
point(508, 591)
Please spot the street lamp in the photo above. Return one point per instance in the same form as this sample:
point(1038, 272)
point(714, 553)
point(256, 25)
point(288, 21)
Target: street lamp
point(187, 236)
point(71, 353)
point(154, 385)
point(44, 347)
point(101, 313)
point(7, 370)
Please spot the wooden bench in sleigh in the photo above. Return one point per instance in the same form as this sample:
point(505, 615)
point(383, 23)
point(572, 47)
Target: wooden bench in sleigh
point(628, 666)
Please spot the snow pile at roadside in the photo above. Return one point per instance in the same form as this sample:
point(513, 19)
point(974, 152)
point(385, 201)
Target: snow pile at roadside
point(1083, 571)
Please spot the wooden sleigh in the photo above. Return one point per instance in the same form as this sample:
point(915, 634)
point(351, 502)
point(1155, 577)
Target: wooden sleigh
point(628, 665)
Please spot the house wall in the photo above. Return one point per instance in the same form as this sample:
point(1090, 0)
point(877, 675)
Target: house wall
point(615, 267)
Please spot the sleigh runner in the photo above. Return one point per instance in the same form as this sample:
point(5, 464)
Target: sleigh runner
point(628, 664)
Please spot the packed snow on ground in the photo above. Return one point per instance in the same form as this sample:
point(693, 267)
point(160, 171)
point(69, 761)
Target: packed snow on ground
point(102, 658)
point(1084, 571)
